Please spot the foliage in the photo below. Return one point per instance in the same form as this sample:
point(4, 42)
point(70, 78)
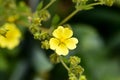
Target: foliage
point(43, 47)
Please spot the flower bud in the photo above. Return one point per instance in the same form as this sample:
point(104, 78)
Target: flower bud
point(82, 77)
point(72, 76)
point(45, 44)
point(74, 60)
point(54, 58)
point(44, 15)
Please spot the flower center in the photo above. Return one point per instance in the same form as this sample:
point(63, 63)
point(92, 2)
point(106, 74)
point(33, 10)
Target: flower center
point(62, 41)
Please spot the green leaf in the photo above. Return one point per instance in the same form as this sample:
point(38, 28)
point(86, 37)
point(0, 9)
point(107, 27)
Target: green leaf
point(3, 63)
point(55, 20)
point(40, 5)
point(89, 39)
point(40, 61)
point(1, 1)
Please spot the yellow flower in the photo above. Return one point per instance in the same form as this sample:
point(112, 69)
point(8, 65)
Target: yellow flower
point(11, 38)
point(62, 41)
point(12, 18)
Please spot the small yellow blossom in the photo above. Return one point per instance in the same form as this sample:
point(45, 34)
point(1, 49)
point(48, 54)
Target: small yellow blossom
point(83, 77)
point(62, 41)
point(11, 38)
point(12, 18)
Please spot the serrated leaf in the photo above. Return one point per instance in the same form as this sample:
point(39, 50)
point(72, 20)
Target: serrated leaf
point(55, 20)
point(40, 5)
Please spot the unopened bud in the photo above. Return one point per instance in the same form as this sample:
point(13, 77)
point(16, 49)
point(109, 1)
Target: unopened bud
point(44, 15)
point(45, 44)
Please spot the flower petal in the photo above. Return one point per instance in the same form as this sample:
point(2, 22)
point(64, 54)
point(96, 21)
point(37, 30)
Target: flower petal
point(71, 43)
point(13, 45)
point(54, 43)
point(62, 50)
point(62, 32)
point(58, 32)
point(67, 33)
point(3, 42)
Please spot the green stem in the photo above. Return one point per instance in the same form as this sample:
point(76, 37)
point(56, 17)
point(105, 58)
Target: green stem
point(68, 17)
point(98, 3)
point(77, 10)
point(64, 64)
point(49, 4)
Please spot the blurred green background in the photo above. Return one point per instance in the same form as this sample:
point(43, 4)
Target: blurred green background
point(98, 32)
